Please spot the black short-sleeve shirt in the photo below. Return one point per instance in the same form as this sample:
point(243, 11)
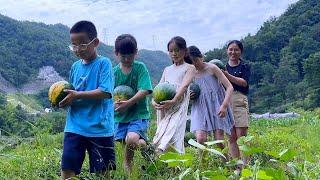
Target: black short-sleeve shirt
point(242, 71)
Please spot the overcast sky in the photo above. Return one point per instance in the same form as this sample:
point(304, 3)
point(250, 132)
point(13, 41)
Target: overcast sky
point(207, 24)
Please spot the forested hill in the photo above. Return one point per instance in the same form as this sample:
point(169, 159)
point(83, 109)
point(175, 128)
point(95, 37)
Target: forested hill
point(27, 46)
point(285, 59)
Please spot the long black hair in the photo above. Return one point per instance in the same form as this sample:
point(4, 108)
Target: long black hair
point(194, 52)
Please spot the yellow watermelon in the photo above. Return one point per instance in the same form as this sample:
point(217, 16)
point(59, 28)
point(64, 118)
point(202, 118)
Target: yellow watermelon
point(56, 93)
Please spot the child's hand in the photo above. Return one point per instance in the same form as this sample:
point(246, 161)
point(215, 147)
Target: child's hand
point(166, 104)
point(222, 111)
point(122, 106)
point(155, 105)
point(72, 95)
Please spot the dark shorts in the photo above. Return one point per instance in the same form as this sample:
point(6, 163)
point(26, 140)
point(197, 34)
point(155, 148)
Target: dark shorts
point(100, 150)
point(139, 126)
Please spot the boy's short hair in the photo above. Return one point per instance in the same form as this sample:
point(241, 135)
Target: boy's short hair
point(85, 27)
point(125, 44)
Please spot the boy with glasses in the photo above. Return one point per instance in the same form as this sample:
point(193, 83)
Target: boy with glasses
point(90, 125)
point(131, 116)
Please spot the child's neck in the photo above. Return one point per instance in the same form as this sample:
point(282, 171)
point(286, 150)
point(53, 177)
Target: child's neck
point(201, 67)
point(126, 68)
point(90, 59)
point(179, 63)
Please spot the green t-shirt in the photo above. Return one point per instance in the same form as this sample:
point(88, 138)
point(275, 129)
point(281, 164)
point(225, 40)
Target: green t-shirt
point(137, 79)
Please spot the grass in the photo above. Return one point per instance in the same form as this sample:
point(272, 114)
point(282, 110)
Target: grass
point(27, 102)
point(40, 158)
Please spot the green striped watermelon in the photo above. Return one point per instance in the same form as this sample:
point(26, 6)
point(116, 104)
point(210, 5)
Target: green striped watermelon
point(164, 91)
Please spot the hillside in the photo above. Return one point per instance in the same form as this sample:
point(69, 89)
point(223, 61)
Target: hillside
point(26, 47)
point(284, 56)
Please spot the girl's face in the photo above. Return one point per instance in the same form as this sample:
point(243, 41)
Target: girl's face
point(234, 52)
point(177, 55)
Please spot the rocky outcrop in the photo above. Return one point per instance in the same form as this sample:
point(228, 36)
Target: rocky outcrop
point(46, 77)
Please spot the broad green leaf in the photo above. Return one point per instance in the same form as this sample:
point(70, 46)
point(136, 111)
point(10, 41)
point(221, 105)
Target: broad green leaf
point(169, 155)
point(196, 144)
point(249, 150)
point(216, 152)
point(175, 159)
point(219, 177)
point(246, 173)
point(272, 153)
point(287, 155)
point(210, 143)
point(262, 175)
point(276, 173)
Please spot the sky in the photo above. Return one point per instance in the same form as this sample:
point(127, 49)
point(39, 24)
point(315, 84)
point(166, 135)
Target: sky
point(207, 24)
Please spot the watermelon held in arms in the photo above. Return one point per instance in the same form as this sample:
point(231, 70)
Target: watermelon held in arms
point(123, 93)
point(219, 63)
point(164, 91)
point(56, 92)
point(194, 87)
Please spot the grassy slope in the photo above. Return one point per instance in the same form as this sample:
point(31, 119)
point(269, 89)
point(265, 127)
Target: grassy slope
point(27, 102)
point(41, 158)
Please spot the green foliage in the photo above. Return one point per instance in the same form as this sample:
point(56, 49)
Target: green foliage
point(280, 149)
point(16, 120)
point(283, 55)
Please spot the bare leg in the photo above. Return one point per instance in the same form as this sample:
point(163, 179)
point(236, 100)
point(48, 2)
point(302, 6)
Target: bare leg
point(201, 136)
point(132, 140)
point(219, 135)
point(234, 148)
point(242, 131)
point(142, 143)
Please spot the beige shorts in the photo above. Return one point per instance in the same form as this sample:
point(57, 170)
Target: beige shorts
point(240, 109)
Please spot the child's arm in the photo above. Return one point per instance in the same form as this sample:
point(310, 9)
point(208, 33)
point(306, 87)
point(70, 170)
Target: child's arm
point(104, 89)
point(229, 88)
point(187, 79)
point(144, 87)
point(73, 95)
point(123, 106)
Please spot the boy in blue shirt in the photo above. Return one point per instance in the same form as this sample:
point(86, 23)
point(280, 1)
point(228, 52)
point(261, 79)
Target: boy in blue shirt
point(90, 125)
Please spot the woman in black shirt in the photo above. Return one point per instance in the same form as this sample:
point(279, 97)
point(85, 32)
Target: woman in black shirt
point(238, 74)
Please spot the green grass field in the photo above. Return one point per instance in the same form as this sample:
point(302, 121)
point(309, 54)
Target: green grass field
point(279, 149)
